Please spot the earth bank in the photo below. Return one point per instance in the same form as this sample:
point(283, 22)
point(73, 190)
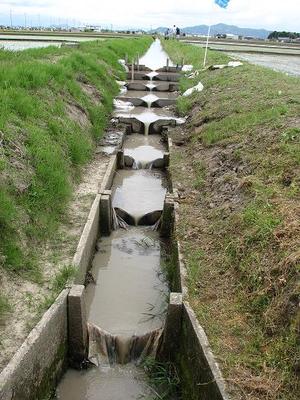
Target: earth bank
point(236, 166)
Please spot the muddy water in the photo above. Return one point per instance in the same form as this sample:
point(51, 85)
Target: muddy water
point(105, 383)
point(129, 295)
point(155, 57)
point(144, 149)
point(155, 96)
point(148, 116)
point(139, 192)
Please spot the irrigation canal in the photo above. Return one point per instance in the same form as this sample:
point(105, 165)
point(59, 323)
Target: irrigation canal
point(127, 293)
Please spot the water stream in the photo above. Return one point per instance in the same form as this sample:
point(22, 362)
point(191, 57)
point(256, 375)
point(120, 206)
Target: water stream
point(128, 293)
point(143, 149)
point(148, 116)
point(155, 57)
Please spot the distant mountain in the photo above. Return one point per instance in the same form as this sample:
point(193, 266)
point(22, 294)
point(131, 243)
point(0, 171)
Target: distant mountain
point(221, 29)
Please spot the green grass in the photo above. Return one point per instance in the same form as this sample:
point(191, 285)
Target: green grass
point(239, 219)
point(43, 145)
point(60, 281)
point(163, 379)
point(5, 309)
point(199, 168)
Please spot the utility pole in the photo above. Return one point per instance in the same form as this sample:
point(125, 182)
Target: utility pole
point(25, 20)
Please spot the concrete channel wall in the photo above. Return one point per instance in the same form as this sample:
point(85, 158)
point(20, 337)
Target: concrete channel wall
point(200, 374)
point(189, 348)
point(86, 247)
point(39, 363)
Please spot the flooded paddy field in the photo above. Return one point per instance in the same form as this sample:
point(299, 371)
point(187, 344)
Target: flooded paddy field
point(282, 63)
point(19, 45)
point(24, 42)
point(250, 48)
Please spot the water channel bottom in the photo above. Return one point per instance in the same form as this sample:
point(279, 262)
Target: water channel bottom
point(127, 295)
point(118, 383)
point(132, 300)
point(144, 149)
point(139, 192)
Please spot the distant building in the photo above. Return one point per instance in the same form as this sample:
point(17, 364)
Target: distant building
point(91, 28)
point(220, 36)
point(232, 36)
point(284, 39)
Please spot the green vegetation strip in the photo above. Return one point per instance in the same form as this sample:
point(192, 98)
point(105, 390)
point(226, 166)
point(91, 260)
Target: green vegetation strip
point(237, 167)
point(55, 104)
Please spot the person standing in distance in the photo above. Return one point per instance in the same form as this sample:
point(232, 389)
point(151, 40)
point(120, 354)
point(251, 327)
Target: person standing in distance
point(174, 31)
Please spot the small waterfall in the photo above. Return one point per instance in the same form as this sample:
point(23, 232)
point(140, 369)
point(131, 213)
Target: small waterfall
point(151, 86)
point(156, 226)
point(149, 165)
point(118, 222)
point(109, 349)
point(147, 126)
point(142, 165)
point(137, 165)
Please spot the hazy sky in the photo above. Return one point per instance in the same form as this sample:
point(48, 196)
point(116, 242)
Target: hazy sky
point(270, 14)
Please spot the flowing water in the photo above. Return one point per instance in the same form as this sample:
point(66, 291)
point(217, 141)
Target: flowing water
point(139, 192)
point(128, 299)
point(149, 116)
point(144, 149)
point(155, 57)
point(128, 293)
point(118, 383)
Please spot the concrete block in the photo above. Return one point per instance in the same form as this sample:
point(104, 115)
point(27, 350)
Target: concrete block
point(106, 213)
point(158, 163)
point(172, 329)
point(167, 220)
point(128, 161)
point(86, 245)
point(120, 159)
point(77, 323)
point(160, 103)
point(159, 125)
point(205, 380)
point(109, 175)
point(136, 126)
point(166, 159)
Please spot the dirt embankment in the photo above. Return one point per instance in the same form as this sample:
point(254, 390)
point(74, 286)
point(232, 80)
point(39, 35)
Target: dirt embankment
point(237, 169)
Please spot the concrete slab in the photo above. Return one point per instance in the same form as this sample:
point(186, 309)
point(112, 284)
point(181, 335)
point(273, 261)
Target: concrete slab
point(77, 327)
point(36, 367)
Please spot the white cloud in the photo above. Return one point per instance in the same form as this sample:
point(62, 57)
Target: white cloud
point(270, 14)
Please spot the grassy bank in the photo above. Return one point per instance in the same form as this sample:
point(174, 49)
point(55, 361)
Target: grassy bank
point(55, 104)
point(237, 168)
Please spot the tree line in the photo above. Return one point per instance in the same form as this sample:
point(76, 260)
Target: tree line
point(291, 35)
